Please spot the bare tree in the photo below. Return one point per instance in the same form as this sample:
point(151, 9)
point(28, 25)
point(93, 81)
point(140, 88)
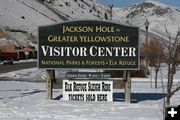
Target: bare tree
point(155, 55)
point(171, 54)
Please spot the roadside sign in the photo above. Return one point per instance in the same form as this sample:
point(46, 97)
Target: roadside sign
point(89, 44)
point(87, 90)
point(26, 53)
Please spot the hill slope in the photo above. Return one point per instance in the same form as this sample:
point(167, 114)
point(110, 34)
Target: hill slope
point(20, 18)
point(159, 15)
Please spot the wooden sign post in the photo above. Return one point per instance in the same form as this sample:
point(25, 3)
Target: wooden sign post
point(128, 87)
point(49, 84)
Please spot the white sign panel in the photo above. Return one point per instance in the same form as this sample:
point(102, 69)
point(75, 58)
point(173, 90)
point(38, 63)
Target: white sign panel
point(87, 90)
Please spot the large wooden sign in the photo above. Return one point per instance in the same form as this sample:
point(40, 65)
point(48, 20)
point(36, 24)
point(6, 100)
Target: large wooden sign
point(89, 44)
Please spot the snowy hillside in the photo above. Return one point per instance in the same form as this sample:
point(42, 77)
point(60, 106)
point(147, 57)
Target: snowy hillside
point(159, 15)
point(20, 18)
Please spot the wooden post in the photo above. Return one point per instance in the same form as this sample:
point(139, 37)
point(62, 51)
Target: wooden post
point(124, 75)
point(128, 87)
point(49, 84)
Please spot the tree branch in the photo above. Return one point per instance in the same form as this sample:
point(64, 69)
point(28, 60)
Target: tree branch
point(175, 90)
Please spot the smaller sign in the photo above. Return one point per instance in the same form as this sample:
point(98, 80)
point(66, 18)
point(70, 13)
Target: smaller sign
point(87, 90)
point(26, 53)
point(88, 75)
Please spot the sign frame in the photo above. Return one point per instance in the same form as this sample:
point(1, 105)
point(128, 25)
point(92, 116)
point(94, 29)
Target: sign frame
point(94, 68)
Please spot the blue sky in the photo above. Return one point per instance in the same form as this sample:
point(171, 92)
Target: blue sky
point(124, 3)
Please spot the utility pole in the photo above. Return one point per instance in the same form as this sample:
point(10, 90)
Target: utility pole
point(146, 57)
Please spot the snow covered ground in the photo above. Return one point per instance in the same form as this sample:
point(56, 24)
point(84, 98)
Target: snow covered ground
point(27, 101)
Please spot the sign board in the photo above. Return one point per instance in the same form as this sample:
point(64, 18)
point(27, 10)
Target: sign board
point(26, 51)
point(89, 44)
point(87, 75)
point(87, 90)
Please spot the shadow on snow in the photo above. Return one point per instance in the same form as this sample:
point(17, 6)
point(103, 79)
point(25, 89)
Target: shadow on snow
point(58, 97)
point(33, 92)
point(138, 97)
